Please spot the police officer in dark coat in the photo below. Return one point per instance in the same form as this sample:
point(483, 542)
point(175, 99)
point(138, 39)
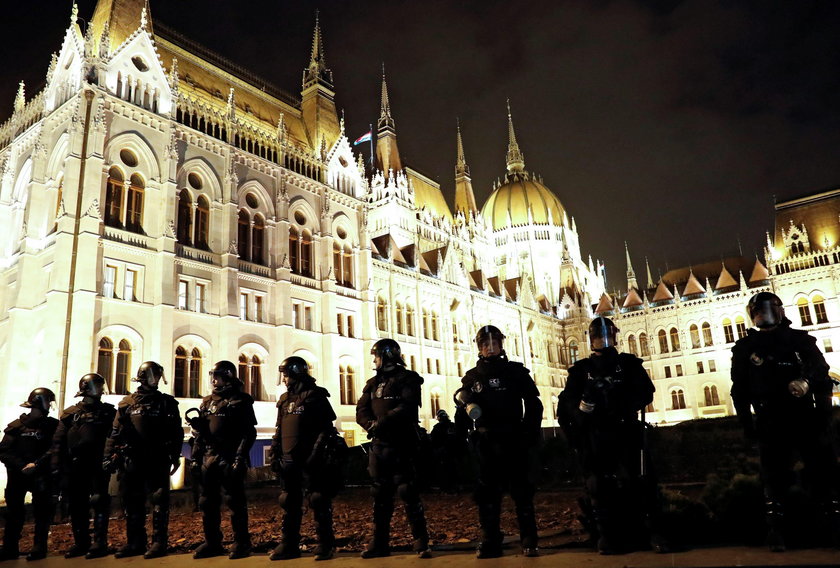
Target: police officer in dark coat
point(503, 399)
point(388, 411)
point(448, 443)
point(145, 448)
point(224, 433)
point(598, 411)
point(781, 375)
point(25, 451)
point(78, 446)
point(298, 453)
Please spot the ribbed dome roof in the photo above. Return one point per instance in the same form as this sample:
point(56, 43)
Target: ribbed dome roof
point(519, 192)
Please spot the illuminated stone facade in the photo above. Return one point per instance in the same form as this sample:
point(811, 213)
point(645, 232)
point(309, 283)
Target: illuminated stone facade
point(161, 204)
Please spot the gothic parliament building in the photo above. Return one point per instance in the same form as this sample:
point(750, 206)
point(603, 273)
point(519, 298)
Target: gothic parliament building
point(159, 203)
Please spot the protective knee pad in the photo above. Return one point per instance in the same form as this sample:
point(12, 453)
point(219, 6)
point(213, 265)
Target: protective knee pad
point(408, 492)
point(485, 494)
point(205, 503)
point(522, 496)
point(159, 497)
point(318, 500)
point(289, 502)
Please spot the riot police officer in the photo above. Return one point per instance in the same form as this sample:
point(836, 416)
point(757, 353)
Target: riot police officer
point(448, 443)
point(598, 411)
point(781, 375)
point(145, 448)
point(77, 456)
point(303, 455)
point(503, 400)
point(388, 411)
point(25, 451)
point(224, 433)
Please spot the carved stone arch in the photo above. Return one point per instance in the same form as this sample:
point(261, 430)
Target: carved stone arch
point(266, 204)
point(212, 183)
point(118, 332)
point(342, 220)
point(55, 162)
point(299, 203)
point(190, 341)
point(254, 342)
point(22, 180)
point(148, 161)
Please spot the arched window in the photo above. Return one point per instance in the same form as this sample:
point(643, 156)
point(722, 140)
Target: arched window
point(134, 208)
point(306, 254)
point(631, 344)
point(59, 195)
point(400, 326)
point(243, 372)
point(675, 339)
point(180, 381)
point(255, 382)
point(573, 352)
point(294, 253)
point(707, 334)
point(435, 328)
point(244, 235)
point(663, 341)
point(194, 390)
point(105, 361)
point(694, 332)
point(114, 197)
point(347, 266)
point(184, 218)
point(644, 348)
point(677, 399)
point(741, 327)
point(202, 223)
point(434, 400)
point(710, 392)
point(409, 321)
point(804, 311)
point(728, 334)
point(347, 384)
point(257, 240)
point(381, 314)
point(819, 309)
point(122, 376)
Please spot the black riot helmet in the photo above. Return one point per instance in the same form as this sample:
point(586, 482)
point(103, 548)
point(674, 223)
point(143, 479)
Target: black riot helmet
point(388, 351)
point(294, 367)
point(766, 311)
point(226, 372)
point(40, 398)
point(489, 331)
point(149, 374)
point(604, 329)
point(92, 384)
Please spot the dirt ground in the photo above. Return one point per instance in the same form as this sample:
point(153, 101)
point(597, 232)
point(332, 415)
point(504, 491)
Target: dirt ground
point(452, 521)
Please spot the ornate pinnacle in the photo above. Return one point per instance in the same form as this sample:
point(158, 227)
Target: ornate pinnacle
point(316, 71)
point(461, 166)
point(385, 119)
point(515, 159)
point(20, 97)
point(74, 14)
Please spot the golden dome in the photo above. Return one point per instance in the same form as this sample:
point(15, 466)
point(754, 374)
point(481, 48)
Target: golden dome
point(516, 195)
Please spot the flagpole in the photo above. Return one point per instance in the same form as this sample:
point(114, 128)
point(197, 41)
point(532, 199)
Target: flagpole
point(371, 146)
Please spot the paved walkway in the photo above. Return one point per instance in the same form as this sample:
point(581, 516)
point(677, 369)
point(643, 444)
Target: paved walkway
point(698, 558)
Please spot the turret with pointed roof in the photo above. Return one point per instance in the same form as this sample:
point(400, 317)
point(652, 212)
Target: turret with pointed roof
point(631, 275)
point(387, 152)
point(318, 96)
point(515, 160)
point(464, 196)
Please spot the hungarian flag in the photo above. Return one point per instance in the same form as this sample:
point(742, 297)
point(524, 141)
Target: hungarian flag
point(363, 138)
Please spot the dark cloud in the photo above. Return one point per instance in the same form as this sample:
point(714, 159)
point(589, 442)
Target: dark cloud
point(669, 124)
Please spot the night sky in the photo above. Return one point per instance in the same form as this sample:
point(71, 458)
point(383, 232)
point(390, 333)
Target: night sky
point(669, 124)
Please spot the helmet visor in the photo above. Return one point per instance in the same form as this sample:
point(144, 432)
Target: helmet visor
point(766, 313)
point(602, 334)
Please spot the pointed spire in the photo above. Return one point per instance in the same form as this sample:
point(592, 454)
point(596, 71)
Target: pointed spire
point(759, 273)
point(662, 293)
point(461, 166)
point(725, 280)
point(20, 97)
point(231, 105)
point(317, 71)
point(693, 286)
point(515, 159)
point(174, 81)
point(631, 275)
point(105, 41)
point(74, 14)
point(633, 299)
point(649, 277)
point(385, 119)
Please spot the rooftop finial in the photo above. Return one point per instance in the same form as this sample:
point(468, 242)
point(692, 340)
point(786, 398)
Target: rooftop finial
point(631, 274)
point(461, 166)
point(74, 14)
point(515, 159)
point(316, 71)
point(385, 119)
point(20, 97)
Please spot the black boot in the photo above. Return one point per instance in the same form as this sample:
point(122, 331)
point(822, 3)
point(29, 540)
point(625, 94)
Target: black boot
point(209, 550)
point(775, 526)
point(81, 536)
point(135, 529)
point(100, 537)
point(160, 535)
point(324, 530)
point(241, 537)
point(289, 546)
point(39, 542)
point(379, 546)
point(489, 520)
point(607, 542)
point(527, 520)
point(417, 520)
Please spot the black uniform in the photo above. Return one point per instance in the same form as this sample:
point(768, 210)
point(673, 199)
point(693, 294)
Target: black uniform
point(78, 446)
point(609, 439)
point(448, 442)
point(222, 445)
point(146, 438)
point(388, 410)
point(503, 437)
point(304, 424)
point(27, 440)
point(763, 365)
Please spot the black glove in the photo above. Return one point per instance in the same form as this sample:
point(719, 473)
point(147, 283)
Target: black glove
point(111, 464)
point(372, 427)
point(240, 465)
point(277, 466)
